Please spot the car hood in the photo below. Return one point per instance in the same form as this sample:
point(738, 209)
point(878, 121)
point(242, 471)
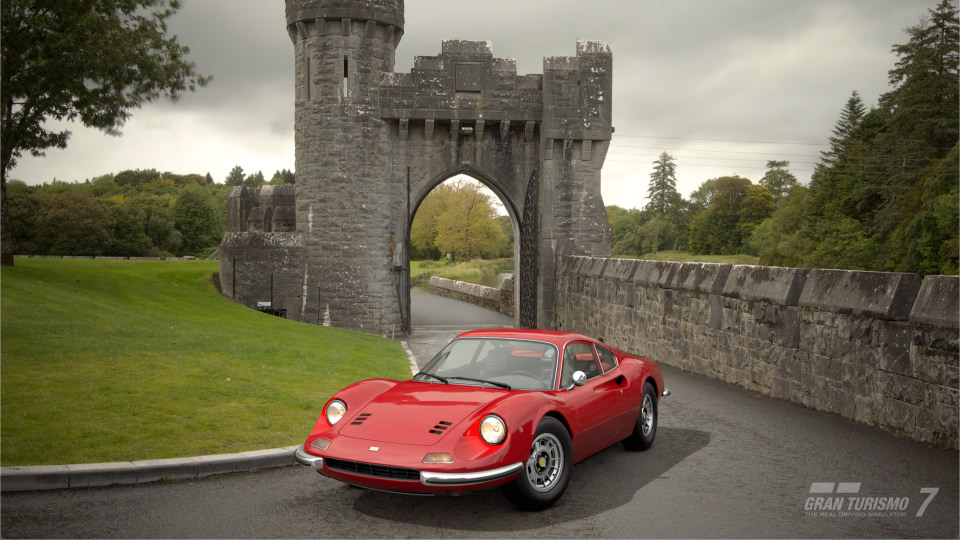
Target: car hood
point(417, 413)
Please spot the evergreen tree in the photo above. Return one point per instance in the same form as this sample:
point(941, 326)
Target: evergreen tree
point(663, 184)
point(850, 118)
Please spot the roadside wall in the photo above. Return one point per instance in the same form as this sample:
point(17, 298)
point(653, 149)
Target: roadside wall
point(248, 260)
point(876, 347)
point(487, 297)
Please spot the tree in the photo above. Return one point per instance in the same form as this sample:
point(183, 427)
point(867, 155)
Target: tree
point(283, 176)
point(469, 228)
point(778, 180)
point(235, 178)
point(73, 59)
point(850, 117)
point(196, 219)
point(127, 236)
point(255, 180)
point(89, 229)
point(209, 178)
point(716, 230)
point(757, 205)
point(663, 184)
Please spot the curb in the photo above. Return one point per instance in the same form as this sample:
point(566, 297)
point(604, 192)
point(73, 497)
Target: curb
point(41, 477)
point(414, 368)
point(44, 477)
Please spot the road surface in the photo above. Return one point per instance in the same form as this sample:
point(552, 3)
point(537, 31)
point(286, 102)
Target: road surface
point(726, 463)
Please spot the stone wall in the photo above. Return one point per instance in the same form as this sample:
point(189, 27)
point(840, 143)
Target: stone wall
point(876, 347)
point(248, 261)
point(486, 297)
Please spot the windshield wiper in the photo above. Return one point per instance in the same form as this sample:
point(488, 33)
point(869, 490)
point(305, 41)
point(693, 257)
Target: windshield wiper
point(437, 377)
point(481, 381)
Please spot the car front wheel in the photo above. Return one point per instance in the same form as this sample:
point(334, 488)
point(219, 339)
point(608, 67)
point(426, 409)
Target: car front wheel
point(546, 473)
point(646, 426)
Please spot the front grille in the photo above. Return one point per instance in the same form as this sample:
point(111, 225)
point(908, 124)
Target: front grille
point(369, 469)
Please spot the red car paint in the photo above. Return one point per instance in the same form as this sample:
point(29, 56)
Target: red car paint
point(388, 423)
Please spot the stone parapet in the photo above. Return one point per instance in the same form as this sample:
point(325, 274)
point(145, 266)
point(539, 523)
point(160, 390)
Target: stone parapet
point(878, 348)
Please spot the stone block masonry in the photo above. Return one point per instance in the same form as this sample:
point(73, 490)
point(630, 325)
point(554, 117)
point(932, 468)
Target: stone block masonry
point(876, 347)
point(370, 144)
point(486, 297)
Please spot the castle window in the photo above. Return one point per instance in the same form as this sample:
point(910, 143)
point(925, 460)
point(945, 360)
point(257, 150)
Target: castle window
point(346, 79)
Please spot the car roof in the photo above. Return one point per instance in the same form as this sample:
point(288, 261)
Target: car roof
point(552, 336)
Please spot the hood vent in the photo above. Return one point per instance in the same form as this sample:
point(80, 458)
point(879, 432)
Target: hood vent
point(440, 428)
point(358, 421)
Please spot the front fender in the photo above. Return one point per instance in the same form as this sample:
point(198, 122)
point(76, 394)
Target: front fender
point(522, 412)
point(355, 396)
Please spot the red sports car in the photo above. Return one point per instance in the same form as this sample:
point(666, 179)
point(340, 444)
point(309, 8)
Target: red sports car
point(495, 408)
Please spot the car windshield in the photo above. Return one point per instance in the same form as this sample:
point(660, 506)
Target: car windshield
point(495, 363)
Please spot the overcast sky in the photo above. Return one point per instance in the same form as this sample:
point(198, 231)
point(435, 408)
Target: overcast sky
point(722, 85)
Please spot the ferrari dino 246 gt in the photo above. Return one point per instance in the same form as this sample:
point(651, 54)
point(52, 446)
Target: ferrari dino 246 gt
point(495, 408)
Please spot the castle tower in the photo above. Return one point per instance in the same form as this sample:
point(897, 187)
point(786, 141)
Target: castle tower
point(344, 196)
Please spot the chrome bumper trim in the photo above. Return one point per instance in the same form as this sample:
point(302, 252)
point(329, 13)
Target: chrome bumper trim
point(463, 479)
point(666, 392)
point(308, 460)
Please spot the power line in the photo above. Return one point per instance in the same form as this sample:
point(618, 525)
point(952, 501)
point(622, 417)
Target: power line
point(785, 143)
point(719, 140)
point(715, 151)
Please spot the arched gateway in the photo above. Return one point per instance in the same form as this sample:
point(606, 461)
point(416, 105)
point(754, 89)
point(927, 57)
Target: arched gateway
point(371, 143)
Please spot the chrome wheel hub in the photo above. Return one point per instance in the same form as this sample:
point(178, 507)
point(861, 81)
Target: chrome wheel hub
point(545, 463)
point(646, 415)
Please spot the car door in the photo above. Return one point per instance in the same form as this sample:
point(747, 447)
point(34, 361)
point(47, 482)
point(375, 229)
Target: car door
point(594, 404)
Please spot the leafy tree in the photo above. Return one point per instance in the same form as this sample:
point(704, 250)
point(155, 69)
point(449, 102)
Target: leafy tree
point(779, 239)
point(468, 228)
point(195, 214)
point(778, 180)
point(127, 236)
point(423, 231)
point(26, 207)
point(716, 230)
point(757, 205)
point(159, 224)
point(89, 229)
point(73, 59)
point(209, 178)
point(235, 178)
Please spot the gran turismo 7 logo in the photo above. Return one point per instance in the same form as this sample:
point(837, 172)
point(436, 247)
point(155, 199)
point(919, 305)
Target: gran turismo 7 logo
point(843, 499)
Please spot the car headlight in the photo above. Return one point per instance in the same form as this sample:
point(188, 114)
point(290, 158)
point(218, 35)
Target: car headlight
point(493, 430)
point(335, 411)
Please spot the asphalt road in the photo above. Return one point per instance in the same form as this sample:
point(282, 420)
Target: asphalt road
point(726, 463)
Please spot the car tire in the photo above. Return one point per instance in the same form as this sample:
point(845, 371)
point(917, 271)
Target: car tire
point(546, 473)
point(645, 428)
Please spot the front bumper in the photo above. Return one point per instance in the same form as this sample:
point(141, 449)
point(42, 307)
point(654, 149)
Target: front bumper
point(430, 481)
point(308, 460)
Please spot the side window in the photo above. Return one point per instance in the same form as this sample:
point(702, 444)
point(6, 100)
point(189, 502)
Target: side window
point(578, 357)
point(608, 360)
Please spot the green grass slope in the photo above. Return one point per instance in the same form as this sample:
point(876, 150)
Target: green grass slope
point(124, 360)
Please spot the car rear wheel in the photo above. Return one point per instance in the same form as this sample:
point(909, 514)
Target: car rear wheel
point(645, 428)
point(546, 473)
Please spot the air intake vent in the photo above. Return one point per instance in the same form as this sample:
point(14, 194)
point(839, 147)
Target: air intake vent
point(369, 469)
point(359, 419)
point(440, 428)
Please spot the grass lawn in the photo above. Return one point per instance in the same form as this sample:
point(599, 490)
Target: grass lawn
point(470, 272)
point(124, 360)
point(685, 256)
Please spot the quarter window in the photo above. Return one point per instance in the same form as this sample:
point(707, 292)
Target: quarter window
point(608, 360)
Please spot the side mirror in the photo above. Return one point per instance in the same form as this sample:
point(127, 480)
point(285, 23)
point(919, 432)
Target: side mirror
point(579, 378)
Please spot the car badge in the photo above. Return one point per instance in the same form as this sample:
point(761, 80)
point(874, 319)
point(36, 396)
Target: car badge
point(374, 448)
